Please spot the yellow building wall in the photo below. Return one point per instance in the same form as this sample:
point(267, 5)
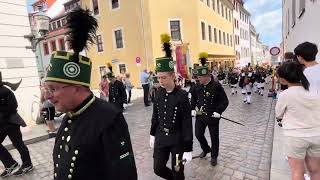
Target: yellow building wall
point(211, 17)
point(191, 14)
point(143, 21)
point(128, 17)
point(160, 14)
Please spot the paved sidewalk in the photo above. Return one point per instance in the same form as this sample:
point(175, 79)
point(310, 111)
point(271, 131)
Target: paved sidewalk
point(279, 165)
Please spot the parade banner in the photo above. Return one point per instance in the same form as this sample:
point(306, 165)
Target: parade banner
point(182, 60)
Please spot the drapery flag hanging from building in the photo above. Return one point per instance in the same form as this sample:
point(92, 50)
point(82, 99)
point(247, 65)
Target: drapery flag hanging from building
point(182, 60)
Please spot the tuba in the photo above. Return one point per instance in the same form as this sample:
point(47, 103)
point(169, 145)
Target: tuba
point(13, 86)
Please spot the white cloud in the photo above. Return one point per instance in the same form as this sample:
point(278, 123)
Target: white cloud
point(266, 16)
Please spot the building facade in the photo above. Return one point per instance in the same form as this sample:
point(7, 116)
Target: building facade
point(121, 41)
point(253, 45)
point(300, 23)
point(56, 39)
point(17, 62)
point(242, 33)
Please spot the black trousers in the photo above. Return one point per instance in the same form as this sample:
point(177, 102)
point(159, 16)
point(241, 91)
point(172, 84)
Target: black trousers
point(129, 96)
point(14, 134)
point(161, 157)
point(146, 94)
point(200, 128)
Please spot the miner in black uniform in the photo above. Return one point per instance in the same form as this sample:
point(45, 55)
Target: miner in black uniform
point(10, 122)
point(93, 141)
point(208, 98)
point(221, 76)
point(233, 80)
point(117, 90)
point(246, 83)
point(171, 124)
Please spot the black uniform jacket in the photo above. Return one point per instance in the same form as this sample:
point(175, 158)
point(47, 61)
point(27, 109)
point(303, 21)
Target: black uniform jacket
point(94, 143)
point(117, 94)
point(233, 78)
point(249, 77)
point(8, 108)
point(171, 122)
point(212, 98)
point(260, 77)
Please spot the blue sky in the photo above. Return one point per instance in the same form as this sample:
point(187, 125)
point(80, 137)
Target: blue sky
point(29, 2)
point(266, 16)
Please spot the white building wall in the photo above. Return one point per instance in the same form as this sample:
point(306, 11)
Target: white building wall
point(244, 45)
point(236, 16)
point(245, 57)
point(306, 28)
point(16, 62)
point(253, 47)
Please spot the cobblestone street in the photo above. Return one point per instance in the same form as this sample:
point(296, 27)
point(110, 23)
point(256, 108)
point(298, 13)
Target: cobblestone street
point(245, 152)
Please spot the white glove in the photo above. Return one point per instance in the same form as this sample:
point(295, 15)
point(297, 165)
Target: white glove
point(216, 115)
point(125, 106)
point(193, 113)
point(187, 156)
point(151, 141)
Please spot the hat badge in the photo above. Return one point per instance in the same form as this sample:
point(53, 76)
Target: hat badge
point(71, 69)
point(171, 64)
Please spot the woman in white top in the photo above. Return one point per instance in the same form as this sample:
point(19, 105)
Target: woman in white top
point(300, 113)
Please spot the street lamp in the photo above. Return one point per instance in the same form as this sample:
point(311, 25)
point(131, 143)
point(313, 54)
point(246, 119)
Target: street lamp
point(38, 33)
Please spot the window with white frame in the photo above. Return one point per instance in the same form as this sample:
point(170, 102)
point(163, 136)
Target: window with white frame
point(58, 24)
point(222, 10)
point(208, 3)
point(210, 33)
point(226, 13)
point(220, 39)
point(203, 31)
point(115, 4)
point(175, 30)
point(224, 38)
point(54, 26)
point(103, 71)
point(214, 5)
point(227, 39)
point(99, 43)
point(95, 7)
point(218, 6)
point(122, 68)
point(215, 35)
point(118, 36)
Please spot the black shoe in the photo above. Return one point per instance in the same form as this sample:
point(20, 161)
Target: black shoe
point(24, 169)
point(146, 105)
point(214, 162)
point(203, 154)
point(7, 172)
point(232, 93)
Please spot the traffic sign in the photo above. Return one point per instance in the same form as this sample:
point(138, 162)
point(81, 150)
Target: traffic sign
point(275, 51)
point(114, 61)
point(138, 60)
